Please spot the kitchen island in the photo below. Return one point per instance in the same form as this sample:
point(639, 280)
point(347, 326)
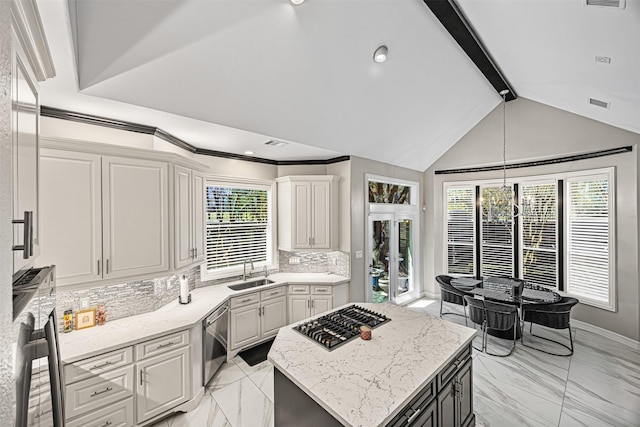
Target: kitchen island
point(416, 370)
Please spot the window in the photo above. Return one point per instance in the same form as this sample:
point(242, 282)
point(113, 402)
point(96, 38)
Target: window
point(538, 233)
point(572, 211)
point(460, 230)
point(589, 235)
point(238, 227)
point(497, 233)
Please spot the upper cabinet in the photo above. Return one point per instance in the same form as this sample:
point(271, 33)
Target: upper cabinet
point(30, 63)
point(103, 216)
point(189, 209)
point(308, 212)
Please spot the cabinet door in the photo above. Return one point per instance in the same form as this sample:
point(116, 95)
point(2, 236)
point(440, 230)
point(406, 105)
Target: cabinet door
point(465, 380)
point(320, 304)
point(199, 219)
point(301, 216)
point(321, 215)
point(447, 406)
point(245, 326)
point(25, 111)
point(183, 246)
point(70, 204)
point(163, 383)
point(274, 316)
point(135, 220)
point(298, 307)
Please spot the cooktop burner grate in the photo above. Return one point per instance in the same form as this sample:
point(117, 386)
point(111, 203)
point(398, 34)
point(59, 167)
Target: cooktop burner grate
point(336, 328)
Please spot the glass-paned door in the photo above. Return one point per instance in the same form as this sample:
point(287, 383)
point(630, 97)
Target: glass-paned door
point(391, 258)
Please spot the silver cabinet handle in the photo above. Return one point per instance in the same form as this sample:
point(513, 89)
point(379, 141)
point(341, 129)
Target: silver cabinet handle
point(27, 235)
point(165, 345)
point(246, 300)
point(107, 267)
point(195, 250)
point(102, 365)
point(97, 393)
point(141, 374)
point(211, 322)
point(274, 293)
point(107, 424)
point(413, 417)
point(98, 267)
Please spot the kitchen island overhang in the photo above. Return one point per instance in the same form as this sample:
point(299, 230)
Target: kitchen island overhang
point(371, 383)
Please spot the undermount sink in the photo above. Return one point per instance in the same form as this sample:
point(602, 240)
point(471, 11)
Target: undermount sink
point(250, 284)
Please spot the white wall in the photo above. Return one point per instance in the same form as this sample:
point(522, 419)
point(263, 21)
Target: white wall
point(359, 198)
point(537, 131)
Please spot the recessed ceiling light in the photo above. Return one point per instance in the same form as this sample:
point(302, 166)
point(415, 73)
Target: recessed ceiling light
point(296, 2)
point(380, 55)
point(248, 152)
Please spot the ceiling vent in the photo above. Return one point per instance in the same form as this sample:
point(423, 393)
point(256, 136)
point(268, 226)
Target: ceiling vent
point(599, 103)
point(615, 4)
point(273, 143)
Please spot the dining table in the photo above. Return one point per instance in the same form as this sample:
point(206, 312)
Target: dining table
point(506, 290)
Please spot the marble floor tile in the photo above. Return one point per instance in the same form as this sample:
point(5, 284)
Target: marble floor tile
point(264, 380)
point(207, 414)
point(245, 405)
point(248, 370)
point(228, 374)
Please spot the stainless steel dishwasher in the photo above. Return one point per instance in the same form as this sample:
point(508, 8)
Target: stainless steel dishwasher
point(214, 342)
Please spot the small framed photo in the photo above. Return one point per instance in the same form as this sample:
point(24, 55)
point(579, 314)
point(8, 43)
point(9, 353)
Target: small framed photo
point(85, 318)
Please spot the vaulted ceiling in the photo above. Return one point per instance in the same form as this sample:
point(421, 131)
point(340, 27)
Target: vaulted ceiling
point(229, 75)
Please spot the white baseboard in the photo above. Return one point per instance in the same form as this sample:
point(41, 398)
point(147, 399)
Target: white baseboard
point(606, 333)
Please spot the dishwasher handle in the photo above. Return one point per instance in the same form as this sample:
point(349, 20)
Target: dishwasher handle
point(211, 322)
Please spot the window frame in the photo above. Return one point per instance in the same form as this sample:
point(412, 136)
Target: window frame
point(272, 244)
point(562, 236)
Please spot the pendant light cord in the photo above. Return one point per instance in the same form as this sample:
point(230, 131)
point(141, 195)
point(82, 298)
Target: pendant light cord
point(504, 137)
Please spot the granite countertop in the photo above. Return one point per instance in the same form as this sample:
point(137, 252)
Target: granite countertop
point(172, 317)
point(366, 383)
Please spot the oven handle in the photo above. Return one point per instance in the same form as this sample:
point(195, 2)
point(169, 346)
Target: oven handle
point(211, 322)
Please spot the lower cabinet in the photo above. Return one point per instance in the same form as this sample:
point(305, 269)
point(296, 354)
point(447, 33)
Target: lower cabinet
point(153, 377)
point(446, 401)
point(256, 316)
point(308, 300)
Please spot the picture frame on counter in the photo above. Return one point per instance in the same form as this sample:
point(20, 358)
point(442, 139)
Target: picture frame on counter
point(85, 318)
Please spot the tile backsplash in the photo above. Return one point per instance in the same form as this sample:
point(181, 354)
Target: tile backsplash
point(126, 299)
point(335, 262)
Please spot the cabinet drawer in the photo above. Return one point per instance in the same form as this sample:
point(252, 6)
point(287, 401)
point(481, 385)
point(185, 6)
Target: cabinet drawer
point(245, 300)
point(321, 290)
point(99, 391)
point(298, 289)
point(162, 344)
point(96, 365)
point(452, 367)
point(272, 293)
point(117, 415)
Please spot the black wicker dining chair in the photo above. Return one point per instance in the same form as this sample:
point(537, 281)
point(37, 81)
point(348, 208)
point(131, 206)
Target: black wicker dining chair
point(452, 295)
point(493, 315)
point(555, 316)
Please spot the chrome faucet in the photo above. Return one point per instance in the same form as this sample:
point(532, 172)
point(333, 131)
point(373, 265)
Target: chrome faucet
point(244, 268)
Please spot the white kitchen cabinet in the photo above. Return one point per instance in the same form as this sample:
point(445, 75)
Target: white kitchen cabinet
point(71, 206)
point(256, 316)
point(308, 212)
point(135, 216)
point(25, 110)
point(245, 326)
point(309, 300)
point(163, 383)
point(189, 211)
point(106, 217)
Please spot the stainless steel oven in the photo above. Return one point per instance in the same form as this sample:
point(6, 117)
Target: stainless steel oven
point(38, 392)
point(214, 342)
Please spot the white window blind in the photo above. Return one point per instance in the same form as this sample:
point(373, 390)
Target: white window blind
point(588, 239)
point(538, 233)
point(237, 226)
point(497, 233)
point(460, 230)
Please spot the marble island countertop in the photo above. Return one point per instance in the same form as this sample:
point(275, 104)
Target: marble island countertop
point(365, 383)
point(172, 317)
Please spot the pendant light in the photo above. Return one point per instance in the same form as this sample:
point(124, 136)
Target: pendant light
point(506, 195)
